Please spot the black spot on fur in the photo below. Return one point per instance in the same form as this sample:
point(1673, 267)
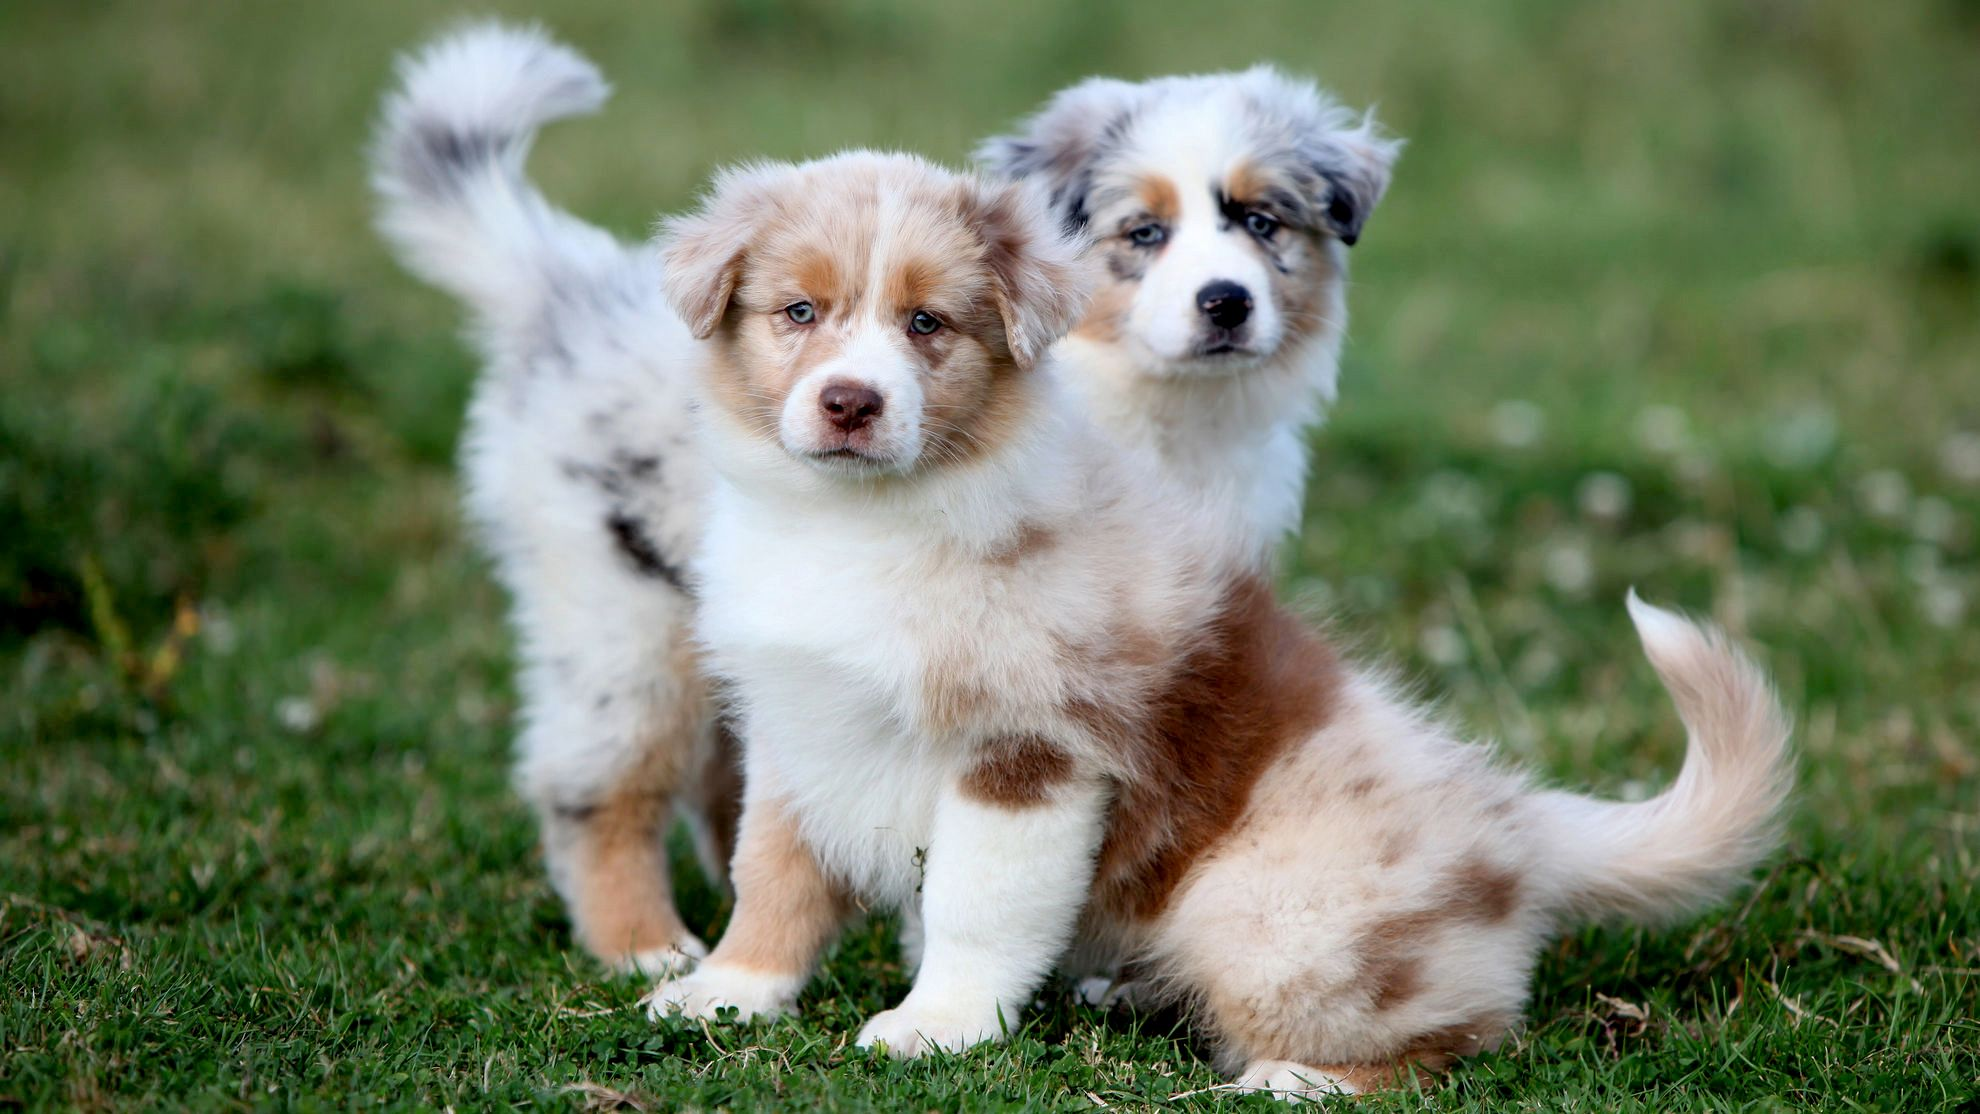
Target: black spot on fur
point(438, 157)
point(645, 555)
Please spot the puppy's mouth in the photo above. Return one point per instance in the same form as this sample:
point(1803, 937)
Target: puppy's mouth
point(847, 458)
point(1224, 346)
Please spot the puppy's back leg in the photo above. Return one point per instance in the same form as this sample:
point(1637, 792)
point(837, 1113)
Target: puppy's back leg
point(617, 717)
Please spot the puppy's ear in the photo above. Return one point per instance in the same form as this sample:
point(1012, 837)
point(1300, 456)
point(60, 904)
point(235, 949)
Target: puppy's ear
point(703, 251)
point(1058, 146)
point(1040, 272)
point(1355, 163)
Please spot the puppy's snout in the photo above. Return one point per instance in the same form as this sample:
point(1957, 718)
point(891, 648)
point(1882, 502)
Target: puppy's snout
point(1225, 303)
point(850, 407)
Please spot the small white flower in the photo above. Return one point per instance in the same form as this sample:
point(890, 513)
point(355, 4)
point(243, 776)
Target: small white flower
point(1803, 439)
point(1944, 604)
point(1959, 456)
point(298, 714)
point(217, 630)
point(1885, 494)
point(1452, 495)
point(1517, 423)
point(1441, 645)
point(1662, 429)
point(1536, 666)
point(1604, 496)
point(1802, 530)
point(1570, 569)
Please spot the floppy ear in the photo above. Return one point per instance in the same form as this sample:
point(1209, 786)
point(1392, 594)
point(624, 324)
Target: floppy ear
point(702, 252)
point(1355, 164)
point(1040, 273)
point(1058, 146)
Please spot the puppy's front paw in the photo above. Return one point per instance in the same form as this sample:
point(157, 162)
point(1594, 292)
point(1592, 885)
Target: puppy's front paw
point(911, 1030)
point(714, 987)
point(671, 961)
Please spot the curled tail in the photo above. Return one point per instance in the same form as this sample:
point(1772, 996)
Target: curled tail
point(1690, 845)
point(448, 166)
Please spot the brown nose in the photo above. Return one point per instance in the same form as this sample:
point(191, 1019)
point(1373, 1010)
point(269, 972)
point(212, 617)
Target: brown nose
point(850, 407)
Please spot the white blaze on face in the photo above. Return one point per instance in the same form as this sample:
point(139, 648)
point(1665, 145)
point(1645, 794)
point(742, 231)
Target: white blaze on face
point(874, 354)
point(1194, 151)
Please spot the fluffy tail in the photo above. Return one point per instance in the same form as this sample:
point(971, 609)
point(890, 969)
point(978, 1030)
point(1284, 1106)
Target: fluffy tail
point(1689, 846)
point(448, 167)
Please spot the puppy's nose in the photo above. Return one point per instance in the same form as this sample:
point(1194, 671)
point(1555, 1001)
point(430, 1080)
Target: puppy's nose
point(850, 407)
point(1225, 303)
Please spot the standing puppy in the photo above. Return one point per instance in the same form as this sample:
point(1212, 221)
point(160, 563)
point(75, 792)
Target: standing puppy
point(578, 476)
point(988, 666)
point(1223, 207)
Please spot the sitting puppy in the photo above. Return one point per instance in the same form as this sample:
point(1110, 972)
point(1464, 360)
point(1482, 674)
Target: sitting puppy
point(1223, 206)
point(987, 665)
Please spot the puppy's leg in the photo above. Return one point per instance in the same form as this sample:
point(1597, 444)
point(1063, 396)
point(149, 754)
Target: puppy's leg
point(1007, 874)
point(787, 911)
point(616, 714)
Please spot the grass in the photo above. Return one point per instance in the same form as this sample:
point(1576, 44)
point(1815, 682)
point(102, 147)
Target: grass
point(1680, 295)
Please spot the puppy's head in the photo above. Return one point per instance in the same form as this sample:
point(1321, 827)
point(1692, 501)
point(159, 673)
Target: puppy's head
point(1220, 204)
point(872, 314)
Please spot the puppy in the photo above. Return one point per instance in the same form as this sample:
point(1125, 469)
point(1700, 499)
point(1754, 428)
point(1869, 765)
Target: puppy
point(1223, 206)
point(989, 666)
point(576, 474)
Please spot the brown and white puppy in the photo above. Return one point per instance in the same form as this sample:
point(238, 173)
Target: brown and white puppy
point(989, 666)
point(1223, 206)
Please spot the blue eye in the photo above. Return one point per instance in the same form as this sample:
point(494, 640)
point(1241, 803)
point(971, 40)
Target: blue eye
point(801, 313)
point(924, 322)
point(1147, 235)
point(1261, 225)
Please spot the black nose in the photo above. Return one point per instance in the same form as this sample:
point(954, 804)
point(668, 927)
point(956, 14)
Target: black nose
point(850, 407)
point(1225, 303)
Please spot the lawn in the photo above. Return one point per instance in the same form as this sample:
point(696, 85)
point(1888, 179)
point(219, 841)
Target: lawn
point(1683, 295)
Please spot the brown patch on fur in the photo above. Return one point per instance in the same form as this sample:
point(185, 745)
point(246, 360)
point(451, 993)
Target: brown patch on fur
point(1159, 198)
point(1484, 891)
point(1247, 183)
point(1360, 787)
point(1479, 891)
point(816, 276)
point(953, 696)
point(1395, 845)
point(1032, 539)
point(787, 910)
point(1257, 682)
point(1106, 319)
point(1018, 772)
point(1396, 978)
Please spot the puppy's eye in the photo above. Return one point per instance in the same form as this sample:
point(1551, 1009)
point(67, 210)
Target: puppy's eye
point(924, 322)
point(801, 313)
point(1261, 225)
point(1341, 211)
point(1147, 235)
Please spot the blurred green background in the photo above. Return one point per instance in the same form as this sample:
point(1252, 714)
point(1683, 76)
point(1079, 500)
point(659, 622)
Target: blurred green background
point(1683, 295)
